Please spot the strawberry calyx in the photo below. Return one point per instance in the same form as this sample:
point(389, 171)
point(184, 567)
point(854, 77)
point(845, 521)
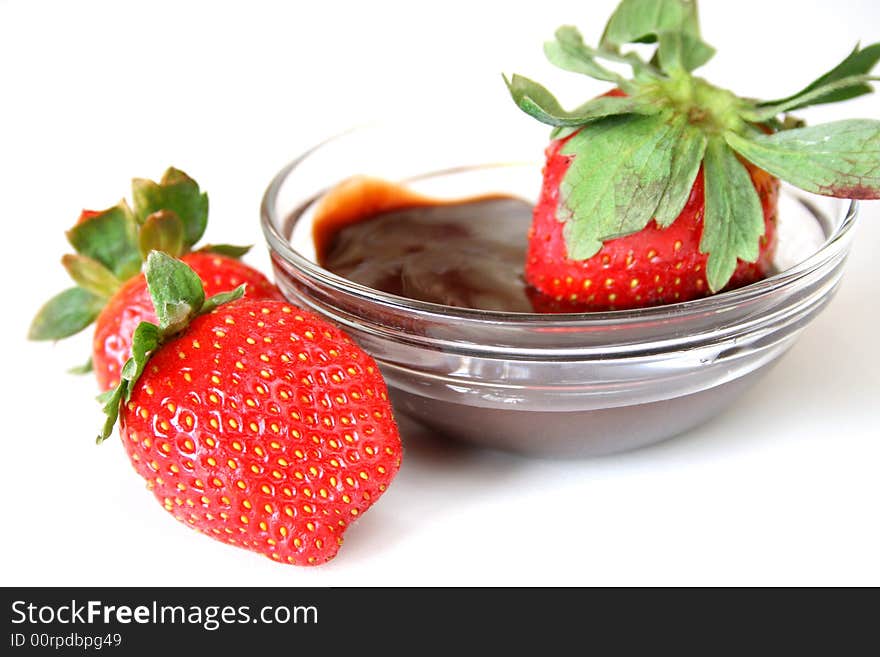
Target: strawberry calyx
point(175, 192)
point(712, 109)
point(178, 297)
point(111, 246)
point(646, 144)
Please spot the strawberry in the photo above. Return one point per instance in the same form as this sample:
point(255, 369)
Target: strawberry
point(170, 215)
point(665, 189)
point(252, 421)
point(131, 305)
point(651, 267)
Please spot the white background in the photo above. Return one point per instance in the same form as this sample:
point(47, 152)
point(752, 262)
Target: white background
point(783, 489)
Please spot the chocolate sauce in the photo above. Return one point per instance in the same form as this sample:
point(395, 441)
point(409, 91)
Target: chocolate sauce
point(468, 253)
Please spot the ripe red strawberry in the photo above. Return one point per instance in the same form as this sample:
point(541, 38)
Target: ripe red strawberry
point(171, 216)
point(257, 424)
point(131, 305)
point(665, 190)
point(651, 267)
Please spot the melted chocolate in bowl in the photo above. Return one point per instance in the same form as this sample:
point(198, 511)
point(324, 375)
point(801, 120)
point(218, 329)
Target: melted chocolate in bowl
point(467, 254)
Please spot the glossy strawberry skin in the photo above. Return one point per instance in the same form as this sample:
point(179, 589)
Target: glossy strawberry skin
point(111, 344)
point(652, 267)
point(264, 427)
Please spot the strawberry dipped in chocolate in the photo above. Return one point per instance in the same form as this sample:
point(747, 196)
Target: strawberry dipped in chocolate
point(665, 189)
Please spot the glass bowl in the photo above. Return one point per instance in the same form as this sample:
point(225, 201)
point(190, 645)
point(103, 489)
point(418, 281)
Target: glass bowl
point(547, 385)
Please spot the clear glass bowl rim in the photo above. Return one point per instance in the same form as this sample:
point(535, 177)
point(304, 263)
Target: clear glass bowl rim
point(710, 304)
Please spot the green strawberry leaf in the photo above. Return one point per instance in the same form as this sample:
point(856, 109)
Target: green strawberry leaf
point(618, 175)
point(145, 340)
point(91, 275)
point(679, 52)
point(176, 192)
point(563, 131)
point(110, 401)
point(859, 62)
point(65, 314)
point(85, 368)
point(228, 250)
point(536, 101)
point(569, 52)
point(643, 21)
point(176, 291)
point(839, 159)
point(765, 112)
point(223, 298)
point(109, 237)
point(162, 231)
point(687, 157)
point(640, 21)
point(734, 220)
